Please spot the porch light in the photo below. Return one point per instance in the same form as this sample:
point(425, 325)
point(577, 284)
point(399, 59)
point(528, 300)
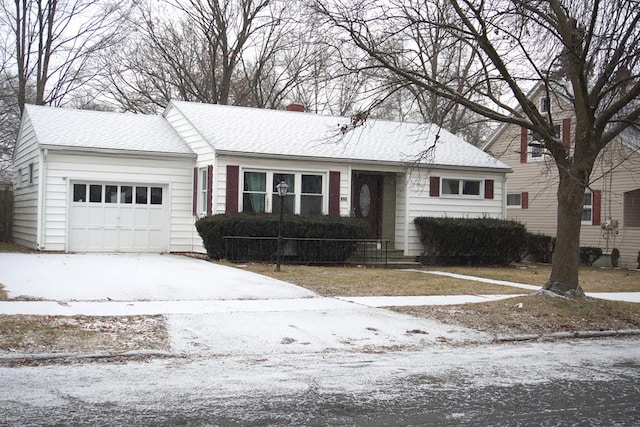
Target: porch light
point(282, 192)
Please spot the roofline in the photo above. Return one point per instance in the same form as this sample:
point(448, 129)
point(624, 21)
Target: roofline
point(360, 161)
point(116, 151)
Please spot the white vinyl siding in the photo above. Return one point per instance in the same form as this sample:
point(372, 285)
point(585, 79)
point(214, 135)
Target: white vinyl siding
point(174, 175)
point(25, 221)
point(420, 204)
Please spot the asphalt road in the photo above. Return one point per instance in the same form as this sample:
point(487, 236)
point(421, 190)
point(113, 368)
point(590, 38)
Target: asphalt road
point(588, 382)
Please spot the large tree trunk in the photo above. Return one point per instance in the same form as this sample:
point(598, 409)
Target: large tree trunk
point(566, 259)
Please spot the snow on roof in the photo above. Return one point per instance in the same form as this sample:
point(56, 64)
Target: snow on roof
point(631, 137)
point(87, 129)
point(286, 133)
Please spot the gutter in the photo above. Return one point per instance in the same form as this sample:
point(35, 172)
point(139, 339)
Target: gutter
point(112, 151)
point(387, 163)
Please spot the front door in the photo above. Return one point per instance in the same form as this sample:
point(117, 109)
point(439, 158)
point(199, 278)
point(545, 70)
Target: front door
point(366, 201)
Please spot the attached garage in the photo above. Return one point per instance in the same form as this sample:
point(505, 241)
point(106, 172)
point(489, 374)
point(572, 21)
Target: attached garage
point(103, 182)
point(118, 217)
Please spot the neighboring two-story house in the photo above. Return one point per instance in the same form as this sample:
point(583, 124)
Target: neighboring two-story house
point(613, 197)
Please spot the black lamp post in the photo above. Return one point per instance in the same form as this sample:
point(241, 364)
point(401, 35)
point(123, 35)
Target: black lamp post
point(282, 192)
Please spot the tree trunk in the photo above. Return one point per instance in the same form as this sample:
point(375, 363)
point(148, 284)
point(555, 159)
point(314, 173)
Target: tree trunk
point(566, 259)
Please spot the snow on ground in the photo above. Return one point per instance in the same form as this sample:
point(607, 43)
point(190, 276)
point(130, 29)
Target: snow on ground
point(134, 277)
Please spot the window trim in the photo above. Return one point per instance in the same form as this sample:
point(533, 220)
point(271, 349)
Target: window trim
point(512, 206)
point(271, 197)
point(460, 193)
point(202, 191)
point(543, 154)
point(545, 104)
point(589, 207)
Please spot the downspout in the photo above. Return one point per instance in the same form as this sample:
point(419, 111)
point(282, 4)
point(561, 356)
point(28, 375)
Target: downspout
point(42, 194)
point(406, 214)
point(504, 196)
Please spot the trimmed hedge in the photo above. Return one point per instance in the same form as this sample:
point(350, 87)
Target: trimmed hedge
point(540, 247)
point(213, 230)
point(461, 241)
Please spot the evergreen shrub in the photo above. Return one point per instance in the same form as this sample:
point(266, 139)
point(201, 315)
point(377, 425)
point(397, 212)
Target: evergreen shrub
point(462, 241)
point(214, 229)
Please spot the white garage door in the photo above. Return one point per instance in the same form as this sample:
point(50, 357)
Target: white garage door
point(113, 217)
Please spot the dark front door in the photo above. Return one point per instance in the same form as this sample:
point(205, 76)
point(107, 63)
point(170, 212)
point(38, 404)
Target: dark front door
point(366, 201)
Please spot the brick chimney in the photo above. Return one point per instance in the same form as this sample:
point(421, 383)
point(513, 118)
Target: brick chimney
point(295, 107)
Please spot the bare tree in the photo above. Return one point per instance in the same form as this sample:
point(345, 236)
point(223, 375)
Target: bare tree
point(587, 51)
point(54, 41)
point(219, 51)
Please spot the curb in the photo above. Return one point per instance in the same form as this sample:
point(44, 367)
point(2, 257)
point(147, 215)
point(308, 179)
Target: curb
point(21, 357)
point(568, 335)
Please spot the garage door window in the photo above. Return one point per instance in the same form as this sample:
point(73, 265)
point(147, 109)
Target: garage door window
point(156, 195)
point(97, 193)
point(79, 193)
point(111, 194)
point(126, 194)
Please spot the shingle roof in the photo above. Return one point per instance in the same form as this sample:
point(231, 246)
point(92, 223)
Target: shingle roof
point(274, 132)
point(87, 129)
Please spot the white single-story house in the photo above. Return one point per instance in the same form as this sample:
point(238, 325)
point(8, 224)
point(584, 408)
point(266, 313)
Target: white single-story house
point(90, 181)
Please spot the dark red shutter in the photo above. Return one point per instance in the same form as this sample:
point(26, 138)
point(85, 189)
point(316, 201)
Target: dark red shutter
point(209, 190)
point(195, 192)
point(524, 200)
point(596, 201)
point(233, 174)
point(334, 193)
point(566, 134)
point(434, 186)
point(524, 140)
point(488, 189)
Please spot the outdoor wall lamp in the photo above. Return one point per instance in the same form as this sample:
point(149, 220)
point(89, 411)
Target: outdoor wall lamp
point(282, 192)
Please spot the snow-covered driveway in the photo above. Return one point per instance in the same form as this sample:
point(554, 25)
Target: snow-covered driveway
point(134, 277)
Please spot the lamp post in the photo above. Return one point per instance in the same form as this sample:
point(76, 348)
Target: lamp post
point(282, 192)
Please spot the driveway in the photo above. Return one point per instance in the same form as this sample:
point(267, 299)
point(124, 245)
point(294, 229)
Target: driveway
point(134, 277)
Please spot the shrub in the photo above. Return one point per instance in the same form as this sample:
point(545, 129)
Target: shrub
point(459, 241)
point(588, 254)
point(214, 229)
point(540, 247)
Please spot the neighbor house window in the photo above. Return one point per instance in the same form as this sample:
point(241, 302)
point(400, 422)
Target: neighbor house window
point(545, 105)
point(460, 187)
point(536, 144)
point(30, 173)
point(587, 207)
point(631, 210)
point(305, 193)
point(514, 200)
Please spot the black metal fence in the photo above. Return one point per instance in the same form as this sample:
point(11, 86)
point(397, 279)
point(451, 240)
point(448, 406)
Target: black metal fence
point(306, 251)
point(6, 215)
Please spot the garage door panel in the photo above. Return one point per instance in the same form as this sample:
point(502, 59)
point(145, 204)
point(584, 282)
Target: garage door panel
point(117, 217)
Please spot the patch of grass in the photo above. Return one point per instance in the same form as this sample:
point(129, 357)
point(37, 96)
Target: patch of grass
point(535, 314)
point(592, 279)
point(81, 334)
point(371, 281)
point(3, 294)
point(10, 247)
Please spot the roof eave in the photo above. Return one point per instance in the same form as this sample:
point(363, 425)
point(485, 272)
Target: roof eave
point(401, 165)
point(112, 151)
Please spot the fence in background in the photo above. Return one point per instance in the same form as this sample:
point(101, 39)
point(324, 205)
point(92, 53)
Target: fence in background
point(6, 215)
